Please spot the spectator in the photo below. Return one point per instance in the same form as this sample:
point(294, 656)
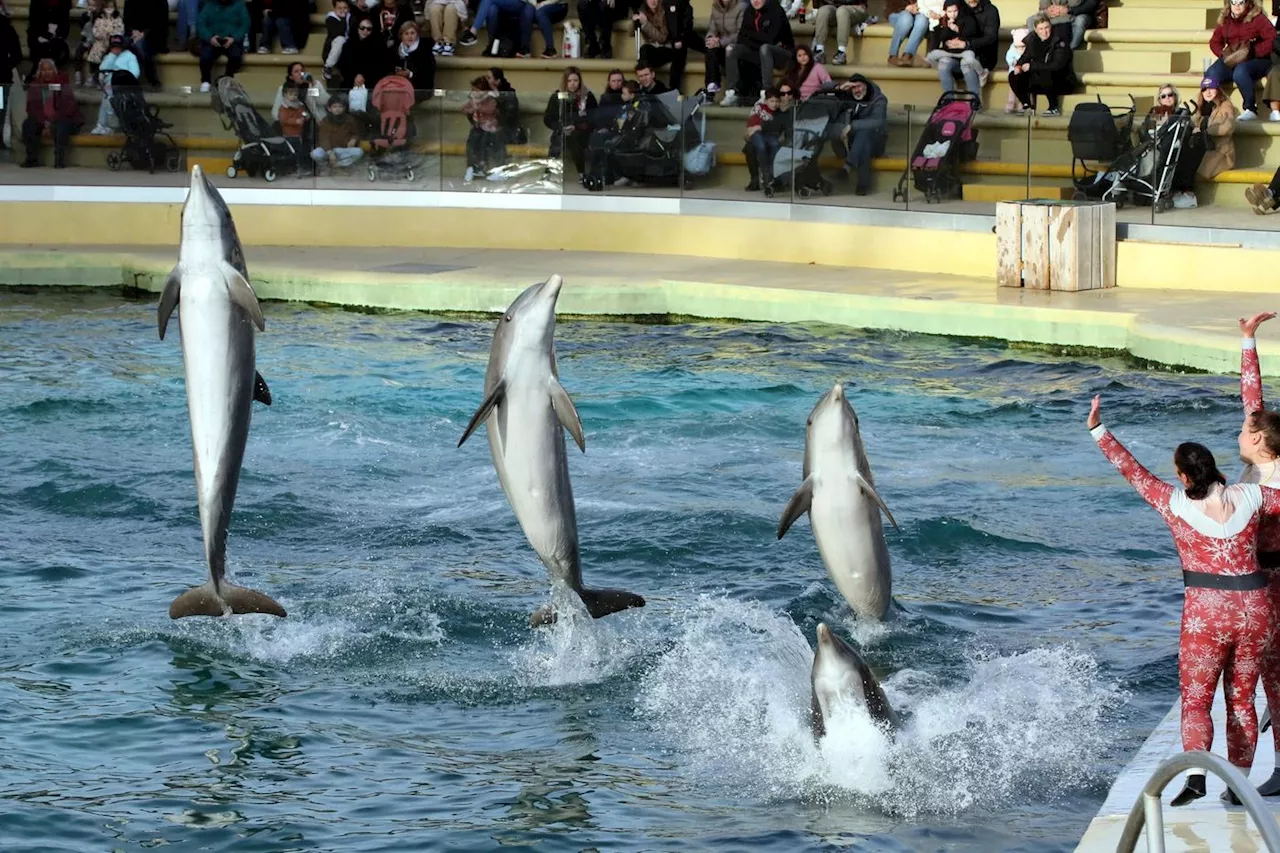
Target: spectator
point(54, 108)
point(598, 17)
point(83, 76)
point(147, 23)
point(722, 31)
point(1242, 41)
point(222, 28)
point(765, 39)
point(849, 14)
point(489, 16)
point(337, 29)
point(275, 17)
point(486, 149)
point(391, 17)
point(569, 116)
point(775, 131)
point(10, 56)
point(366, 56)
point(188, 22)
point(648, 81)
point(666, 27)
point(1044, 69)
point(986, 43)
point(806, 75)
point(48, 25)
point(117, 59)
point(338, 138)
point(445, 17)
point(866, 129)
point(1161, 111)
point(546, 14)
point(1070, 19)
point(605, 138)
point(296, 124)
point(610, 104)
point(949, 51)
point(911, 22)
point(314, 91)
point(1209, 149)
point(508, 107)
point(764, 144)
point(414, 62)
point(1011, 59)
point(107, 22)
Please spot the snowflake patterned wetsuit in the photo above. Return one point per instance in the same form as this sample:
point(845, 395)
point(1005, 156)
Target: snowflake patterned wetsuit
point(1226, 614)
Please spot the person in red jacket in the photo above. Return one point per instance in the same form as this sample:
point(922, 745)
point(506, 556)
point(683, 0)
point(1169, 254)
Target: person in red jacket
point(1243, 30)
point(51, 103)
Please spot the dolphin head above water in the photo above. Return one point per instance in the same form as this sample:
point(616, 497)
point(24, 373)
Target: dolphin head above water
point(840, 677)
point(526, 332)
point(208, 231)
point(832, 428)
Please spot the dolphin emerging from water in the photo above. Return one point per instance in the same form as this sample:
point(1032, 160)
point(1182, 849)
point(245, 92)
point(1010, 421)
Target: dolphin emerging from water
point(525, 410)
point(840, 676)
point(218, 311)
point(840, 496)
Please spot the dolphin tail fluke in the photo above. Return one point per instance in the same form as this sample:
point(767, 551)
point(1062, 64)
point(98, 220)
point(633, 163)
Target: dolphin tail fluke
point(244, 600)
point(205, 601)
point(197, 601)
point(602, 602)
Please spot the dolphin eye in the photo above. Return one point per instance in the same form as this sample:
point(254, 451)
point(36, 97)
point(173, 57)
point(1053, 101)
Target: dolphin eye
point(508, 318)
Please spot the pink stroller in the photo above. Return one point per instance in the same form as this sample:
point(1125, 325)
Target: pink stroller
point(393, 99)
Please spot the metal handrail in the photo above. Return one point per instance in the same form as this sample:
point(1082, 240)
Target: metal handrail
point(1149, 812)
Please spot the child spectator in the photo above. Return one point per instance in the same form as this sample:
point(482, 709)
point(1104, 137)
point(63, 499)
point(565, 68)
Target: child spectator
point(83, 77)
point(117, 59)
point(947, 49)
point(806, 75)
point(1011, 57)
point(485, 146)
point(293, 121)
point(762, 138)
point(337, 27)
point(107, 22)
point(445, 17)
point(338, 139)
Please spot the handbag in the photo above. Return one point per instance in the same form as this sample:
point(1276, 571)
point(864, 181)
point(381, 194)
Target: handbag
point(1237, 53)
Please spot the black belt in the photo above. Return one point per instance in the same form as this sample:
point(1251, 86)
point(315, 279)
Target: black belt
point(1269, 559)
point(1236, 583)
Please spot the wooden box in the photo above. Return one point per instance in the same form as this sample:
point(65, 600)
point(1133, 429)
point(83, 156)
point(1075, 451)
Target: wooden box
point(1056, 245)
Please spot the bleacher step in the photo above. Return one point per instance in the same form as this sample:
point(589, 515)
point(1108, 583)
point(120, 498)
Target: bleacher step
point(1169, 16)
point(1133, 61)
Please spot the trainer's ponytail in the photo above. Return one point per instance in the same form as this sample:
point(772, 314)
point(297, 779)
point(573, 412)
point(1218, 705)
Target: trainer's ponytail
point(1196, 463)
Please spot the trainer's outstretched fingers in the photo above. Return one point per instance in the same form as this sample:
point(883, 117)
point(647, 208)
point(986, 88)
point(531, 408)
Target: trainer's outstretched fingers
point(1250, 326)
point(1095, 417)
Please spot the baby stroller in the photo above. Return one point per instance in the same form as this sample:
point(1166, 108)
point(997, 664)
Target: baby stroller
point(147, 142)
point(1101, 133)
point(392, 99)
point(262, 150)
point(798, 162)
point(1144, 175)
point(947, 141)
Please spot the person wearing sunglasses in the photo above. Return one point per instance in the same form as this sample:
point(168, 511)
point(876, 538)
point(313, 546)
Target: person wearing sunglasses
point(1161, 111)
point(366, 56)
point(1242, 43)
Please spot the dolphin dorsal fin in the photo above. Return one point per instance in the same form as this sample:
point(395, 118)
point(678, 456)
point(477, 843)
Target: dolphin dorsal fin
point(242, 294)
point(797, 506)
point(567, 414)
point(866, 486)
point(494, 398)
point(169, 298)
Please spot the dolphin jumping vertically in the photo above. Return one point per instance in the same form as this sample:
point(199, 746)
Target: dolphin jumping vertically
point(525, 409)
point(218, 311)
point(839, 494)
point(841, 676)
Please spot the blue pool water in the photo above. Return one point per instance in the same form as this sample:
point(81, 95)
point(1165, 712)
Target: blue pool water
point(405, 705)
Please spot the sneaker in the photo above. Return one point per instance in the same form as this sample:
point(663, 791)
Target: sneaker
point(1247, 115)
point(289, 51)
point(327, 73)
point(730, 98)
point(840, 59)
point(467, 38)
point(549, 54)
point(1260, 199)
point(264, 50)
point(437, 48)
point(1052, 112)
point(983, 76)
point(819, 54)
point(1184, 201)
point(753, 187)
point(101, 130)
point(447, 50)
point(204, 87)
point(1275, 115)
point(622, 182)
point(469, 175)
point(712, 90)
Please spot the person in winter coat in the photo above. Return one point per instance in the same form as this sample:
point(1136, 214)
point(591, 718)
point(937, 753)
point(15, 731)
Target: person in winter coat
point(610, 101)
point(949, 51)
point(1043, 69)
point(1209, 149)
point(117, 59)
point(445, 17)
point(337, 29)
point(985, 44)
point(10, 56)
point(866, 129)
point(391, 17)
point(568, 116)
point(366, 56)
point(48, 25)
point(666, 29)
point(764, 40)
point(55, 109)
point(775, 122)
point(850, 16)
point(722, 32)
point(106, 23)
point(337, 138)
point(486, 149)
point(222, 28)
point(1242, 41)
point(806, 75)
point(1070, 19)
point(414, 61)
point(146, 22)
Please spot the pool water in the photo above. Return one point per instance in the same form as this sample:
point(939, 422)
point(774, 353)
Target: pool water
point(406, 705)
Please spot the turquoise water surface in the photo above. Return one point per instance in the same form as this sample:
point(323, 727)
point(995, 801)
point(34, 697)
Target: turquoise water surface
point(405, 705)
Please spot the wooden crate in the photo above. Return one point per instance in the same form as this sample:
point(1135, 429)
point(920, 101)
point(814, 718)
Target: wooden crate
point(1047, 244)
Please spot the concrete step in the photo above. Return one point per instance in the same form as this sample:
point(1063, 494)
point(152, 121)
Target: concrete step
point(1169, 16)
point(1132, 61)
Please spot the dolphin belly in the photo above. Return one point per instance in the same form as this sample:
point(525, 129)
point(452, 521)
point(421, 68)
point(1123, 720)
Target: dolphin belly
point(850, 537)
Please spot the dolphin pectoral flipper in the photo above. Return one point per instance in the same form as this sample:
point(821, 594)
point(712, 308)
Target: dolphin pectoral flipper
point(169, 298)
point(261, 392)
point(242, 294)
point(494, 398)
point(816, 722)
point(871, 492)
point(567, 414)
point(797, 506)
point(602, 602)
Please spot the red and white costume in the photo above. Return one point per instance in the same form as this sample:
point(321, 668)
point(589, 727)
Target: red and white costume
point(1226, 625)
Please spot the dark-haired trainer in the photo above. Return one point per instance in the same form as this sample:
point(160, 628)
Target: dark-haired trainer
point(1226, 610)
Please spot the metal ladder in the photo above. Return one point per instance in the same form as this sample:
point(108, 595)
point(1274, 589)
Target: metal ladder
point(1149, 812)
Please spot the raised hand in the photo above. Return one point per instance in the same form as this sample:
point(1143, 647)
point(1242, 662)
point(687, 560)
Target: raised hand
point(1250, 326)
point(1095, 415)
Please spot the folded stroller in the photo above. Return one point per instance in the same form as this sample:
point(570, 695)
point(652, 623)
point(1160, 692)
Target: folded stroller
point(1100, 133)
point(147, 143)
point(389, 155)
point(796, 165)
point(262, 150)
point(947, 141)
point(1144, 175)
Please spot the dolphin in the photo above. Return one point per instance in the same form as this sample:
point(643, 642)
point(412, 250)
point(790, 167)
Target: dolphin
point(840, 496)
point(218, 311)
point(525, 409)
point(841, 676)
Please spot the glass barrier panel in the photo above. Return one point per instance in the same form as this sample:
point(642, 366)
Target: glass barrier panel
point(723, 158)
point(498, 141)
point(1109, 147)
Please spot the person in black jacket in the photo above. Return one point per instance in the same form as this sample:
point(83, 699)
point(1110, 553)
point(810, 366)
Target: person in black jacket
point(414, 60)
point(1044, 69)
point(48, 25)
point(986, 44)
point(10, 56)
point(764, 41)
point(568, 116)
point(366, 55)
point(666, 28)
point(610, 103)
point(147, 24)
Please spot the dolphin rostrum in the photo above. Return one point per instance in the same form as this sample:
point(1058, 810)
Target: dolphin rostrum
point(525, 409)
point(839, 494)
point(839, 677)
point(218, 311)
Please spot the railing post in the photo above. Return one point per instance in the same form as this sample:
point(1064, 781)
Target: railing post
point(1154, 821)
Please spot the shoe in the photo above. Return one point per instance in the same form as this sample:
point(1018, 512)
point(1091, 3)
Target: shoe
point(101, 130)
point(753, 187)
point(622, 182)
point(593, 49)
point(204, 87)
point(819, 54)
point(895, 61)
point(447, 50)
point(549, 54)
point(327, 73)
point(1275, 115)
point(1052, 112)
point(983, 76)
point(30, 164)
point(713, 90)
point(469, 175)
point(840, 58)
point(1260, 199)
point(1184, 201)
point(264, 50)
point(467, 38)
point(862, 191)
point(437, 48)
point(289, 51)
point(730, 98)
point(522, 54)
point(1247, 115)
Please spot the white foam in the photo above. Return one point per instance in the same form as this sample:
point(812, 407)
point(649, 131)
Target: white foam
point(577, 649)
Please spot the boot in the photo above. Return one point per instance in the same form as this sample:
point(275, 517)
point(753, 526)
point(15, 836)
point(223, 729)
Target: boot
point(1192, 791)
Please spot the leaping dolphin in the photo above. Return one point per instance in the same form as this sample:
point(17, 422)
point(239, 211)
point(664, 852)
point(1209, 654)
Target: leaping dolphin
point(840, 676)
point(218, 311)
point(525, 409)
point(840, 496)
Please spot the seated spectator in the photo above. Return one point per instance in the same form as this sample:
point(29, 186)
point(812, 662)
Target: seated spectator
point(911, 22)
point(391, 17)
point(775, 132)
point(666, 28)
point(445, 17)
point(295, 123)
point(1210, 149)
point(146, 22)
point(508, 108)
point(117, 59)
point(366, 56)
point(598, 17)
point(1242, 41)
point(605, 138)
point(569, 119)
point(949, 50)
point(81, 54)
point(610, 104)
point(275, 18)
point(337, 138)
point(1011, 59)
point(415, 62)
point(107, 22)
point(866, 129)
point(546, 14)
point(337, 29)
point(648, 80)
point(222, 27)
point(489, 15)
point(1161, 111)
point(1070, 19)
point(805, 74)
point(52, 108)
point(313, 90)
point(1044, 69)
point(48, 25)
point(722, 31)
point(986, 44)
point(486, 149)
point(765, 39)
point(849, 15)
